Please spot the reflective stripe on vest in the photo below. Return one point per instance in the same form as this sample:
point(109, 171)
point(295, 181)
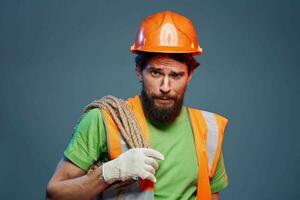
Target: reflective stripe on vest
point(208, 130)
point(215, 129)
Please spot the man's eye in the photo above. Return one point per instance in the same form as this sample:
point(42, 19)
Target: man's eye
point(176, 75)
point(155, 73)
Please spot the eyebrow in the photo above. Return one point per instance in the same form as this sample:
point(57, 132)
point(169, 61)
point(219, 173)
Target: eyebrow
point(158, 69)
point(178, 73)
point(154, 68)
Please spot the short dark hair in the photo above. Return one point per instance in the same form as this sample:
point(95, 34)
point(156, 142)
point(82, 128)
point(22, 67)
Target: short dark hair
point(143, 58)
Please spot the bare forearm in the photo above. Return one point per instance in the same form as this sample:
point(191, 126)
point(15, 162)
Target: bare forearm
point(84, 187)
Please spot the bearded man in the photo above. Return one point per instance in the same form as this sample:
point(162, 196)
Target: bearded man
point(182, 156)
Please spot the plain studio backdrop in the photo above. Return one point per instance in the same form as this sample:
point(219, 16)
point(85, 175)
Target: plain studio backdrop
point(58, 56)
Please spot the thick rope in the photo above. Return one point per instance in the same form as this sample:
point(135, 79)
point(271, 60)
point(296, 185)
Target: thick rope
point(125, 119)
point(128, 126)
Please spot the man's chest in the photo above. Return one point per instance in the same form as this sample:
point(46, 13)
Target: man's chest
point(178, 173)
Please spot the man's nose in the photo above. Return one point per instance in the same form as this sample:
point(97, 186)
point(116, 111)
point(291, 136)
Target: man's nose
point(165, 85)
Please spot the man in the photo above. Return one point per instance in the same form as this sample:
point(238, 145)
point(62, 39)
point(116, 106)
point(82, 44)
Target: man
point(184, 160)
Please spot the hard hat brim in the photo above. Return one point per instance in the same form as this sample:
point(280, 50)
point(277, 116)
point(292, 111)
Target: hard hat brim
point(167, 49)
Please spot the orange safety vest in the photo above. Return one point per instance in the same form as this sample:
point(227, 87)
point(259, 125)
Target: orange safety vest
point(208, 130)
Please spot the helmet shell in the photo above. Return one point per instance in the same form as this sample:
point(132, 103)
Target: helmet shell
point(166, 32)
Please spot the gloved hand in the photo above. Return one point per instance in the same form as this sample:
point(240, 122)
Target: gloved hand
point(136, 162)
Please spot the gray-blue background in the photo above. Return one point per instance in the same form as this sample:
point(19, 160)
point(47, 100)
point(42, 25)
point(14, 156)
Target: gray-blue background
point(57, 56)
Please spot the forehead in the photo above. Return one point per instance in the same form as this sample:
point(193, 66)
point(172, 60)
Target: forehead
point(166, 62)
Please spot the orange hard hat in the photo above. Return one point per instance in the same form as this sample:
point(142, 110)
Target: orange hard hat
point(166, 32)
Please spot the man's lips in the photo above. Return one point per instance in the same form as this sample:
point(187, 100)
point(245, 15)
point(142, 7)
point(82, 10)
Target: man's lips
point(164, 97)
point(164, 100)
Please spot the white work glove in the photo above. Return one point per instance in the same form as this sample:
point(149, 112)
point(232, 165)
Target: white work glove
point(134, 163)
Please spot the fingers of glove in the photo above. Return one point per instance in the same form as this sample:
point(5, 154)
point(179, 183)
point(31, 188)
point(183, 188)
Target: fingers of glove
point(148, 176)
point(153, 153)
point(150, 169)
point(132, 155)
point(152, 162)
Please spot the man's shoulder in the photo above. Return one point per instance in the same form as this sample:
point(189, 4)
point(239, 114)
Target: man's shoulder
point(89, 118)
point(92, 114)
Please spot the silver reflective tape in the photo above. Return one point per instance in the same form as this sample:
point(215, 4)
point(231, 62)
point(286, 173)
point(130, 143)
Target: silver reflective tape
point(124, 145)
point(212, 136)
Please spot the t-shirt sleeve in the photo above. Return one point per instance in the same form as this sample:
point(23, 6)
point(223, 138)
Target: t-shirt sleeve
point(88, 142)
point(220, 179)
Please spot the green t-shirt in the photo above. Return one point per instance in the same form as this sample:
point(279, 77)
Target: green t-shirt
point(177, 174)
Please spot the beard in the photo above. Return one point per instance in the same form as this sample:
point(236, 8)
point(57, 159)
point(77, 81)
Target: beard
point(161, 115)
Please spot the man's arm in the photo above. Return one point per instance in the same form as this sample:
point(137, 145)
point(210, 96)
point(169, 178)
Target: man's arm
point(215, 196)
point(71, 182)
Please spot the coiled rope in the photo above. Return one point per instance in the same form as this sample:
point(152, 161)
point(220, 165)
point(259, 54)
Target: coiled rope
point(125, 119)
point(128, 126)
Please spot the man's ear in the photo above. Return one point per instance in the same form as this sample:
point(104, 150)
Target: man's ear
point(139, 73)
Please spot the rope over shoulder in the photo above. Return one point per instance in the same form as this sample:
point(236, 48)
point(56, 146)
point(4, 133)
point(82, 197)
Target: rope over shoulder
point(124, 117)
point(127, 123)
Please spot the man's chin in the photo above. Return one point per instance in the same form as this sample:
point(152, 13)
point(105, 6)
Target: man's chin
point(161, 110)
